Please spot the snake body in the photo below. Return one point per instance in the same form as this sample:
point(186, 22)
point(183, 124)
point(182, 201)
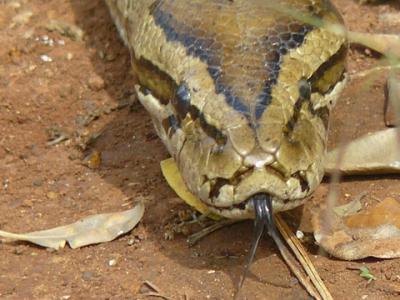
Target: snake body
point(239, 91)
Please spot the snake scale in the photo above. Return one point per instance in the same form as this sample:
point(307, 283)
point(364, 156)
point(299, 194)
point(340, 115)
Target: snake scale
point(239, 92)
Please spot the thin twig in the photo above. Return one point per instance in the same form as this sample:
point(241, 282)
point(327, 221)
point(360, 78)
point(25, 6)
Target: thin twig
point(58, 140)
point(194, 238)
point(302, 257)
point(152, 286)
point(154, 294)
point(156, 289)
point(293, 266)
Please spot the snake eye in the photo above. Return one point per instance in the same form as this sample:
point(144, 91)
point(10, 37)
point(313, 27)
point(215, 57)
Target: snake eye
point(304, 89)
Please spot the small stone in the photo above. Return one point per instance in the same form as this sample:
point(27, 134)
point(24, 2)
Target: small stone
point(112, 262)
point(299, 234)
point(52, 195)
point(87, 275)
point(70, 56)
point(46, 58)
point(96, 83)
point(37, 182)
point(211, 272)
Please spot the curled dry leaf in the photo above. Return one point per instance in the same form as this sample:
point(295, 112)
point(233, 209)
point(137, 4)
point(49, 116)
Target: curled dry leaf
point(90, 230)
point(372, 232)
point(377, 153)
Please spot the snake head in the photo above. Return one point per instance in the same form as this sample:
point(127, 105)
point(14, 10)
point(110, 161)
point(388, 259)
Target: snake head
point(240, 94)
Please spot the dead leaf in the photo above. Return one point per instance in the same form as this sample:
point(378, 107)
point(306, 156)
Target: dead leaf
point(373, 232)
point(377, 153)
point(90, 230)
point(386, 212)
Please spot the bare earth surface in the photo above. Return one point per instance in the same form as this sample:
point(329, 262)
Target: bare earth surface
point(86, 89)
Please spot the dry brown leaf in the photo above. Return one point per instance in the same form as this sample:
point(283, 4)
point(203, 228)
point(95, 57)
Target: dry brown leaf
point(90, 230)
point(377, 153)
point(373, 232)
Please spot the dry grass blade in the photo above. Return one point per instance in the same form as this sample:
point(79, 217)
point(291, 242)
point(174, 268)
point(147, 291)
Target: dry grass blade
point(194, 238)
point(304, 260)
point(293, 266)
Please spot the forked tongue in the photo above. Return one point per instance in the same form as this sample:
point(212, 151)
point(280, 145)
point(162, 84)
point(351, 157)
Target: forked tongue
point(264, 219)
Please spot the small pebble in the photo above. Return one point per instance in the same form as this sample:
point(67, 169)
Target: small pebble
point(37, 182)
point(87, 275)
point(299, 234)
point(46, 58)
point(52, 195)
point(112, 262)
point(96, 83)
point(211, 272)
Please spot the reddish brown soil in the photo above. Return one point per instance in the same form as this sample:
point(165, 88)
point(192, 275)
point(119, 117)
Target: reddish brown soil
point(44, 186)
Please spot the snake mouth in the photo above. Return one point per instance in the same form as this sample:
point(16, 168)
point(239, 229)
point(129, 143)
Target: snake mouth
point(248, 209)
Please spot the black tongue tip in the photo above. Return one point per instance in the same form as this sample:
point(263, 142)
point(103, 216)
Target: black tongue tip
point(263, 220)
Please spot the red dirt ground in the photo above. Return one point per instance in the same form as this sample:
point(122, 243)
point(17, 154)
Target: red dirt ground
point(44, 186)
